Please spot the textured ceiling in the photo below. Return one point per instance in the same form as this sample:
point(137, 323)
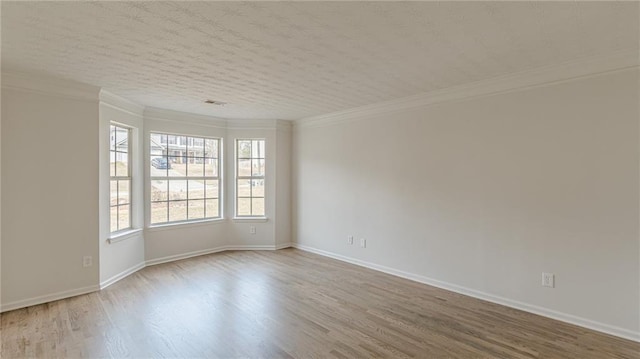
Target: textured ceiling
point(294, 60)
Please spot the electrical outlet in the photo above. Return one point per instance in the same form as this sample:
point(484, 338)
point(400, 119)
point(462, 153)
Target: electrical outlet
point(87, 261)
point(363, 243)
point(350, 240)
point(548, 280)
point(252, 229)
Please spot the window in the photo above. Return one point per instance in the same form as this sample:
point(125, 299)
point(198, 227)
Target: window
point(250, 162)
point(120, 172)
point(185, 178)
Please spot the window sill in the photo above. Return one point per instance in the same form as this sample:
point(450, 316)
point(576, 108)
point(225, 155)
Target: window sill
point(123, 236)
point(176, 225)
point(250, 219)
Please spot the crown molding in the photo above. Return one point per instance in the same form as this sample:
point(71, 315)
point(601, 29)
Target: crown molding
point(48, 85)
point(284, 125)
point(258, 124)
point(159, 114)
point(251, 124)
point(120, 103)
point(541, 76)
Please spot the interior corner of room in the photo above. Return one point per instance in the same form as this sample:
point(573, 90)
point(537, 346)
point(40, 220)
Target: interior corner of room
point(517, 185)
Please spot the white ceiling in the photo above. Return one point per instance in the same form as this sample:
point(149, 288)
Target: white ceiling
point(283, 60)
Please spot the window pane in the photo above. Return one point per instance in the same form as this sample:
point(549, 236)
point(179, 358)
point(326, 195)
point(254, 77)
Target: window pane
point(257, 188)
point(244, 149)
point(178, 166)
point(244, 188)
point(211, 167)
point(244, 167)
point(112, 163)
point(211, 208)
point(119, 190)
point(189, 157)
point(195, 167)
point(123, 192)
point(182, 142)
point(114, 219)
point(257, 168)
point(177, 143)
point(158, 145)
point(159, 190)
point(244, 206)
point(177, 189)
point(211, 148)
point(159, 166)
point(196, 209)
point(177, 211)
point(159, 212)
point(122, 164)
point(196, 189)
point(257, 206)
point(123, 217)
point(113, 193)
point(211, 189)
point(257, 149)
point(195, 146)
point(122, 140)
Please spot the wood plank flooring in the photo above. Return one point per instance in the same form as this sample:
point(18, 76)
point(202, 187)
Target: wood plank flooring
point(284, 304)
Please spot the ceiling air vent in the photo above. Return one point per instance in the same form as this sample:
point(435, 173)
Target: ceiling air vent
point(213, 102)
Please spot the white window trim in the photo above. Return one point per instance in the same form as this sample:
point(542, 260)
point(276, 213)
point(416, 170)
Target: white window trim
point(124, 235)
point(199, 221)
point(249, 218)
point(181, 224)
point(123, 231)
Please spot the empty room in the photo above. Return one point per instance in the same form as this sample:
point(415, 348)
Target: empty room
point(320, 179)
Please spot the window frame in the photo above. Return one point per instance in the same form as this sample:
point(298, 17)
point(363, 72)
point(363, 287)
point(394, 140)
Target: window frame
point(117, 178)
point(168, 155)
point(251, 179)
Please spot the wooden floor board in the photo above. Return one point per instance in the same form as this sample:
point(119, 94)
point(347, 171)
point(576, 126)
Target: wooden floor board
point(288, 304)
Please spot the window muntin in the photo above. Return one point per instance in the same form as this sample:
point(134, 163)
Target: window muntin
point(185, 178)
point(120, 181)
point(250, 171)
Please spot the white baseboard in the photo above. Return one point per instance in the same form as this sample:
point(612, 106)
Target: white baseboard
point(283, 245)
point(122, 275)
point(75, 292)
point(241, 247)
point(177, 257)
point(48, 298)
point(251, 247)
point(549, 313)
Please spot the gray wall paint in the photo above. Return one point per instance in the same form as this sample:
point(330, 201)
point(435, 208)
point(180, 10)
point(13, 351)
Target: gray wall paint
point(488, 193)
point(49, 194)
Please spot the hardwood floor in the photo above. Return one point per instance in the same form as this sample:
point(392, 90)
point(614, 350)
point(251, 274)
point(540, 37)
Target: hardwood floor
point(284, 304)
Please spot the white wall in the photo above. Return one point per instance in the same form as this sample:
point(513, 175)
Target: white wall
point(0, 195)
point(49, 193)
point(483, 195)
point(118, 256)
point(239, 228)
point(169, 242)
point(283, 187)
point(166, 242)
point(55, 190)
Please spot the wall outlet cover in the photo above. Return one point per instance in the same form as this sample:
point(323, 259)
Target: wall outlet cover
point(548, 280)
